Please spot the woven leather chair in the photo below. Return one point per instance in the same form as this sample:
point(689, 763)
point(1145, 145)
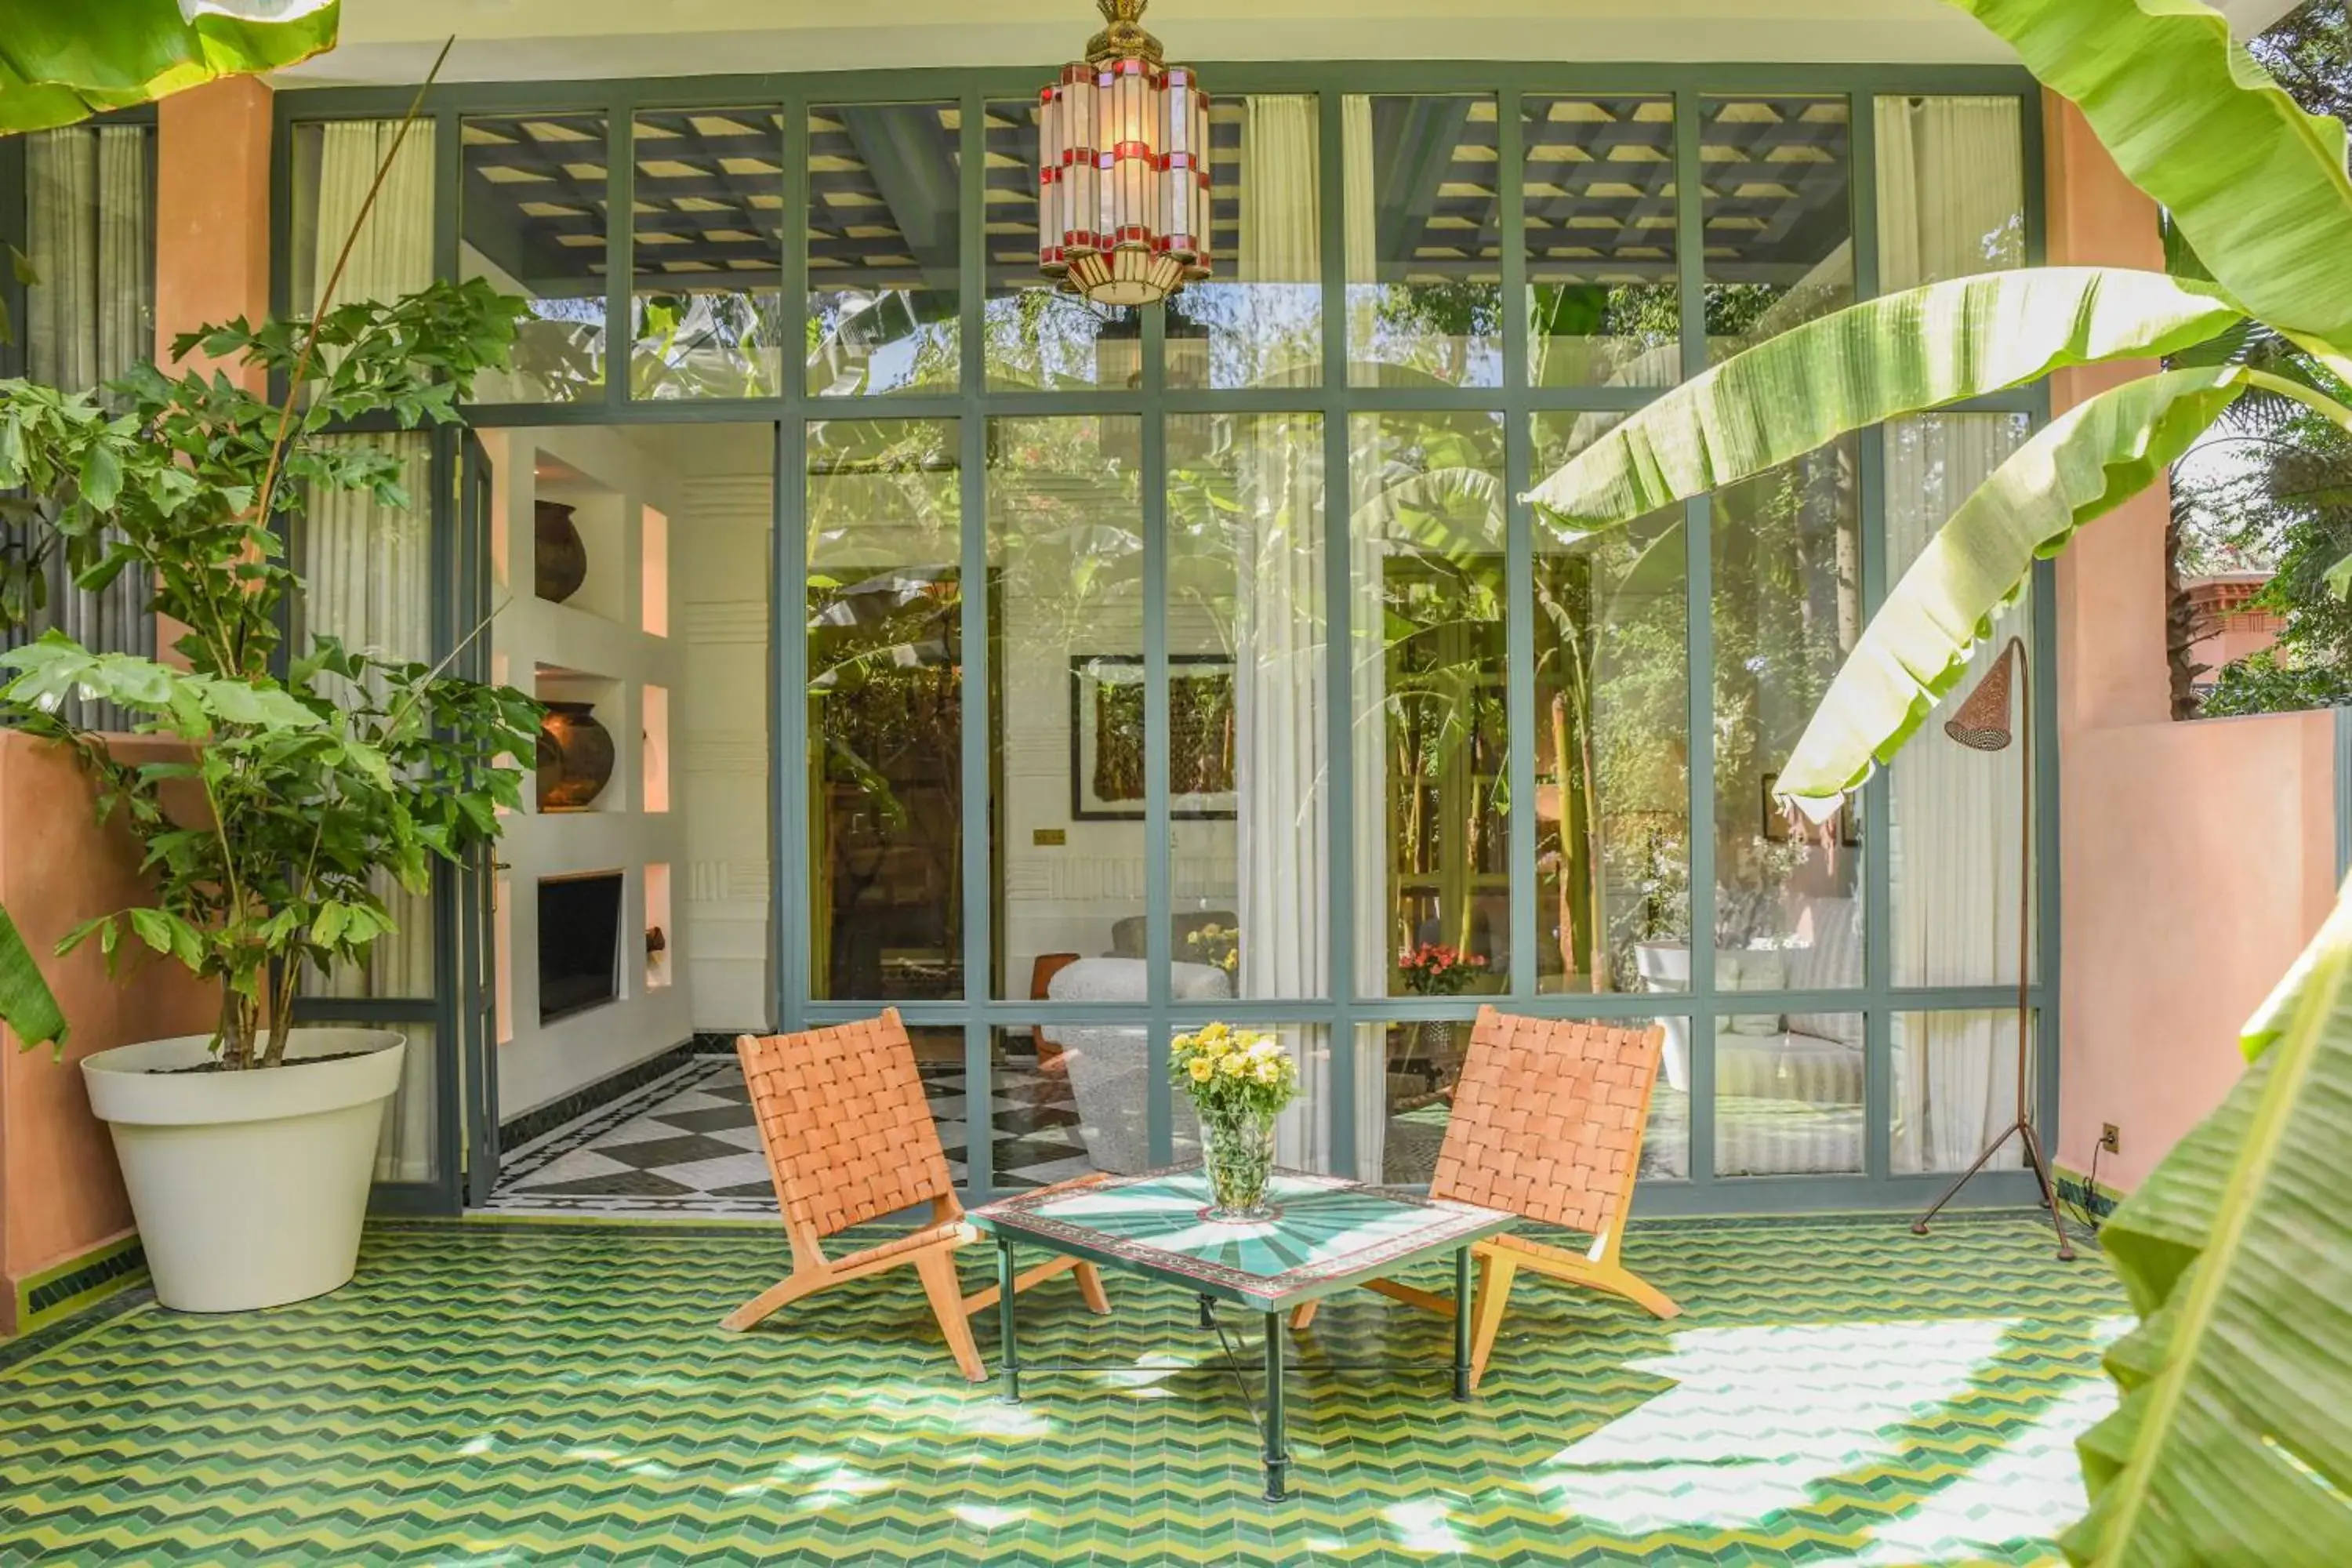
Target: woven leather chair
point(1547, 1123)
point(850, 1138)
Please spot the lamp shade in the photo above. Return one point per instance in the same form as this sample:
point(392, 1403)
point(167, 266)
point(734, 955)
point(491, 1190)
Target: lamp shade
point(1123, 169)
point(1982, 722)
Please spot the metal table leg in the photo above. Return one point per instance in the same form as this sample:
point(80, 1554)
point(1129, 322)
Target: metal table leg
point(1007, 1349)
point(1208, 1313)
point(1463, 1307)
point(1277, 1453)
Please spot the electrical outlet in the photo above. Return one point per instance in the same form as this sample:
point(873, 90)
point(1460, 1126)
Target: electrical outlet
point(2110, 1138)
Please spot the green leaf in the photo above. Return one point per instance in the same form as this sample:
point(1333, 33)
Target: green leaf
point(153, 928)
point(60, 63)
point(28, 1006)
point(101, 476)
point(1873, 362)
point(2231, 1444)
point(2257, 186)
point(2081, 464)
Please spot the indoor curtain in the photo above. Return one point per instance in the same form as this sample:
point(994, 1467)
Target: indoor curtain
point(366, 566)
point(1949, 192)
point(89, 235)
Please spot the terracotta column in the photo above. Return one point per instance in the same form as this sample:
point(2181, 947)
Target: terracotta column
point(212, 207)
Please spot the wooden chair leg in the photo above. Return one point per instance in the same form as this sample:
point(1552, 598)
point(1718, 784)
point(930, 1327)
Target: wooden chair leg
point(937, 1271)
point(1639, 1291)
point(1300, 1316)
point(1090, 1288)
point(1494, 1272)
point(781, 1294)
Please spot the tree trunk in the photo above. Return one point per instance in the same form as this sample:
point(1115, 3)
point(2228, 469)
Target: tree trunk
point(2181, 626)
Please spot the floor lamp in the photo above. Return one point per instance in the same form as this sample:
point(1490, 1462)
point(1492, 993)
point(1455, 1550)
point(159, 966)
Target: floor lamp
point(1982, 724)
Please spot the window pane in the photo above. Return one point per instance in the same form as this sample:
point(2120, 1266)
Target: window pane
point(1787, 606)
point(1787, 1094)
point(1039, 336)
point(1613, 739)
point(1956, 846)
point(1067, 712)
point(885, 710)
point(1432, 844)
point(885, 196)
point(1034, 1111)
point(706, 311)
point(1248, 725)
point(90, 238)
point(1424, 218)
point(533, 222)
point(1603, 306)
point(1955, 1091)
point(1951, 188)
point(1774, 207)
point(1258, 321)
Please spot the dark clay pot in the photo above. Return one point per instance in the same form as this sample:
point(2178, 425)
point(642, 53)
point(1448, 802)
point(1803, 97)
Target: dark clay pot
point(575, 757)
point(560, 559)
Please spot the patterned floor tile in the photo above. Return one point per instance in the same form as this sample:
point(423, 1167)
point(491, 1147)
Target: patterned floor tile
point(685, 1146)
point(484, 1393)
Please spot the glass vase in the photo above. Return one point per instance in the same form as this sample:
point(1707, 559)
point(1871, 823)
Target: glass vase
point(1238, 1152)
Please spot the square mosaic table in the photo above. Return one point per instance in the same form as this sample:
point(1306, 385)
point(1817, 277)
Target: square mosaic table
point(1324, 1235)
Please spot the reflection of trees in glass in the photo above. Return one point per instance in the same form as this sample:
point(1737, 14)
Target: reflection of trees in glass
point(912, 332)
point(1788, 603)
point(699, 344)
point(886, 719)
point(1447, 332)
point(1047, 338)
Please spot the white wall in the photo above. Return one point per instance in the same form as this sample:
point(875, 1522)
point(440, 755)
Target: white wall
point(617, 660)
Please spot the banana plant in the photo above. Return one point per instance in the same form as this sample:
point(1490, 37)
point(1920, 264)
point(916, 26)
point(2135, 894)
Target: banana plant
point(60, 63)
point(28, 1007)
point(2231, 1444)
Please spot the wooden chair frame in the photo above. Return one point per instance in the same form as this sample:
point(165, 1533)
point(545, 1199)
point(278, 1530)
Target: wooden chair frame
point(1502, 1258)
point(909, 1167)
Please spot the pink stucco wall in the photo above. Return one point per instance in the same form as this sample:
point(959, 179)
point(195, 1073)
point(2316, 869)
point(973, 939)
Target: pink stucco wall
point(60, 1195)
point(2195, 858)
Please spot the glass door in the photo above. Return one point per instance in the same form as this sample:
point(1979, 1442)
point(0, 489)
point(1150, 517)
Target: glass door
point(477, 883)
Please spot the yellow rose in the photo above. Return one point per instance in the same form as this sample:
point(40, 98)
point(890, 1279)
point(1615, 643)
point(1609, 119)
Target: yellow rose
point(1269, 1073)
point(1233, 1067)
point(1264, 1047)
point(1200, 1069)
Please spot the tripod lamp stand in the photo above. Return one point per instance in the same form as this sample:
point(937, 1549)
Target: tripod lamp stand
point(1982, 723)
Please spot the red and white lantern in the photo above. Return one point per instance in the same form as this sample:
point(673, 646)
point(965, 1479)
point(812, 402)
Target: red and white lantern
point(1123, 175)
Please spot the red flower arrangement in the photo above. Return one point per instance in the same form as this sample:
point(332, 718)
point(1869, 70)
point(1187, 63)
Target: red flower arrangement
point(1433, 969)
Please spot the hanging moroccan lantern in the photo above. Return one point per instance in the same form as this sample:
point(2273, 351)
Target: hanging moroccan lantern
point(1123, 169)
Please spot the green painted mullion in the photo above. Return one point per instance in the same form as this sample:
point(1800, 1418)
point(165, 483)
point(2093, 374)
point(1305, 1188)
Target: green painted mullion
point(1519, 555)
point(620, 251)
point(790, 907)
point(1338, 642)
point(1698, 587)
point(972, 488)
point(448, 197)
point(1158, 868)
point(792, 283)
point(1877, 794)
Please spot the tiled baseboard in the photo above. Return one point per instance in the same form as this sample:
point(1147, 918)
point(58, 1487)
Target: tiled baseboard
point(2085, 1196)
point(545, 1119)
point(66, 1288)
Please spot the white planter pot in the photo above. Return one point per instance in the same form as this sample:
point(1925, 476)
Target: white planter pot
point(249, 1187)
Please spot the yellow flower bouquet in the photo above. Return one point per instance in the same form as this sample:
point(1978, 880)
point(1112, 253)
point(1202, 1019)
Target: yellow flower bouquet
point(1238, 1080)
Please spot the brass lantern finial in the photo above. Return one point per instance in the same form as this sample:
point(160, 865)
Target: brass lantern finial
point(1124, 37)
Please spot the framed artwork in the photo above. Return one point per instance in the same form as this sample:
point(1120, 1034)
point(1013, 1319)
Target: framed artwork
point(1776, 826)
point(1107, 756)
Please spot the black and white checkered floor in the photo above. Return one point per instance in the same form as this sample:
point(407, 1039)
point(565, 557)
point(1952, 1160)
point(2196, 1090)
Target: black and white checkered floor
point(685, 1144)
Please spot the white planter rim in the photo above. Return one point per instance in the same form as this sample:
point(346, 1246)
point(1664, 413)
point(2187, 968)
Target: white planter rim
point(135, 1085)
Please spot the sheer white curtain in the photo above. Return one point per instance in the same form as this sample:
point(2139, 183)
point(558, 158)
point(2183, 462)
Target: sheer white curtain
point(367, 566)
point(1951, 200)
point(90, 237)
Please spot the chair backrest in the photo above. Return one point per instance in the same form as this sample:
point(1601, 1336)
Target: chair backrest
point(1548, 1119)
point(848, 1131)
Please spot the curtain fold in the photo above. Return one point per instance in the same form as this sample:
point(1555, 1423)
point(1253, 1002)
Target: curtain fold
point(89, 235)
point(1951, 201)
point(367, 567)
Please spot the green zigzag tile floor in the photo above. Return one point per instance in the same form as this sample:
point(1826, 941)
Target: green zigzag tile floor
point(1836, 1392)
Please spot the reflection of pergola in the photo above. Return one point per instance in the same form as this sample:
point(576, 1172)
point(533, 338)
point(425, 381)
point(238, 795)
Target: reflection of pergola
point(884, 192)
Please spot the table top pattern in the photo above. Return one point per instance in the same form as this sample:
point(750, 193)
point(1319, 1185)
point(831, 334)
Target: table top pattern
point(1324, 1234)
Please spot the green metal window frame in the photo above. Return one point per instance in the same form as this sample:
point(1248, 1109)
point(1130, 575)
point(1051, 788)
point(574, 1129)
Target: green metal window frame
point(791, 1005)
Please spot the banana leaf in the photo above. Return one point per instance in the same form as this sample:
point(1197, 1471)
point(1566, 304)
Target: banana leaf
point(63, 60)
point(2081, 464)
point(2231, 1444)
point(2257, 186)
point(27, 1005)
point(1919, 349)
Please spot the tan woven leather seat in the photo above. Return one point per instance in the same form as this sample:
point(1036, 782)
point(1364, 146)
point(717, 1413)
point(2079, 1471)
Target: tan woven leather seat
point(1547, 1123)
point(849, 1138)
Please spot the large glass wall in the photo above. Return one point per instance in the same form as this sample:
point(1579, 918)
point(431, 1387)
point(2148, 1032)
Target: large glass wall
point(1205, 662)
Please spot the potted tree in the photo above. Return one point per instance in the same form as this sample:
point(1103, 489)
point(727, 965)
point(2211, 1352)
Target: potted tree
point(310, 778)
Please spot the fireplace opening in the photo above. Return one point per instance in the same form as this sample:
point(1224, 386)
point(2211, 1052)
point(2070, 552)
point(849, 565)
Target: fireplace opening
point(579, 943)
